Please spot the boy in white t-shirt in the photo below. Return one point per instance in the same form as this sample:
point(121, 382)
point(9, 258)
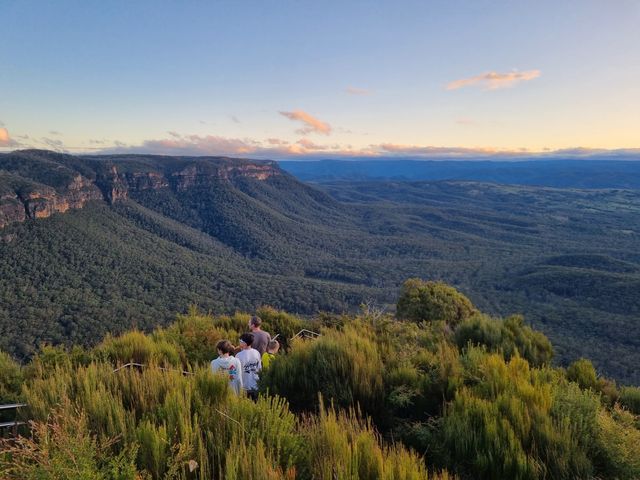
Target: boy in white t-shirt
point(228, 365)
point(251, 365)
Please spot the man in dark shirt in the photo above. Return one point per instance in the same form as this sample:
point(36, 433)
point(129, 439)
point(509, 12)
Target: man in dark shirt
point(260, 338)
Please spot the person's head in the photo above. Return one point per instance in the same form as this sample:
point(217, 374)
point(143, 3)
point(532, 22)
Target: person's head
point(254, 323)
point(224, 347)
point(246, 340)
point(273, 346)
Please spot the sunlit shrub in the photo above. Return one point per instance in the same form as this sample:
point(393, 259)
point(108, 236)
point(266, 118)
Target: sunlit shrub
point(510, 337)
point(430, 301)
point(346, 368)
point(137, 347)
point(343, 446)
point(630, 399)
point(63, 448)
point(617, 444)
point(196, 335)
point(582, 372)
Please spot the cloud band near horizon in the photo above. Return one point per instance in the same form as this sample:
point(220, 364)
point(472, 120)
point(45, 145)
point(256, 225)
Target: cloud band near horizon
point(494, 80)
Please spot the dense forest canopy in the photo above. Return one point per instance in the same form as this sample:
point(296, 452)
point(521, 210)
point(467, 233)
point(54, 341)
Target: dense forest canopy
point(373, 397)
point(566, 259)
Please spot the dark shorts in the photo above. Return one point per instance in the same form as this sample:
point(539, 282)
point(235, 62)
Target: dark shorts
point(252, 394)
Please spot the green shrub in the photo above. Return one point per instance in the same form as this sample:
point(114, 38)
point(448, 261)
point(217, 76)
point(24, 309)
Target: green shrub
point(582, 372)
point(11, 379)
point(507, 415)
point(431, 301)
point(511, 337)
point(345, 368)
point(137, 347)
point(617, 444)
point(343, 446)
point(630, 399)
point(63, 448)
point(195, 335)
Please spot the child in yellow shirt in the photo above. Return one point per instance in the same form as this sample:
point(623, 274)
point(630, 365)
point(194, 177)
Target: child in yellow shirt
point(270, 354)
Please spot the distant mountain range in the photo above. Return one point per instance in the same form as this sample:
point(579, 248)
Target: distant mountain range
point(559, 173)
point(98, 244)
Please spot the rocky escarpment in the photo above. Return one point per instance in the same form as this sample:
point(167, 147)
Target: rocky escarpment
point(42, 201)
point(11, 209)
point(37, 184)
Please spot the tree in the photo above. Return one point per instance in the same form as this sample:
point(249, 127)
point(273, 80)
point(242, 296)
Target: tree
point(432, 301)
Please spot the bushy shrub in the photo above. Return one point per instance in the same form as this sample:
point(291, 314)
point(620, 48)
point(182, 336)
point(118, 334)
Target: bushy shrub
point(63, 448)
point(345, 368)
point(506, 414)
point(137, 347)
point(582, 372)
point(630, 399)
point(430, 301)
point(340, 445)
point(11, 379)
point(510, 336)
point(196, 335)
point(617, 444)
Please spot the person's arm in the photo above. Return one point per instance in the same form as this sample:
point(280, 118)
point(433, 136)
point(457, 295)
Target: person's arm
point(239, 366)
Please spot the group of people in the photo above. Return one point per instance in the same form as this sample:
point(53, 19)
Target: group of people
point(243, 364)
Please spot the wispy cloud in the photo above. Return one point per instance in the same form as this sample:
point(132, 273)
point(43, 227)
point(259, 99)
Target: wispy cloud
point(234, 119)
point(431, 151)
point(311, 123)
point(310, 145)
point(494, 80)
point(276, 141)
point(276, 148)
point(54, 132)
point(357, 91)
point(52, 143)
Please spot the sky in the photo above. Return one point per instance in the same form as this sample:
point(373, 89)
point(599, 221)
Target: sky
point(280, 79)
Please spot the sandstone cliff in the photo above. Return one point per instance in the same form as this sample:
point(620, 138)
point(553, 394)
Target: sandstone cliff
point(37, 184)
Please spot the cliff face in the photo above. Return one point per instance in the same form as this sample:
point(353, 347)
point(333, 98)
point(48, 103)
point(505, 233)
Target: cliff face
point(11, 209)
point(43, 203)
point(114, 179)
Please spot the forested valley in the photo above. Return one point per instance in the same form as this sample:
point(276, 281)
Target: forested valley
point(566, 259)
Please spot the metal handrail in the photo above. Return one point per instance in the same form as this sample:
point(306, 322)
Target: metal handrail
point(15, 423)
point(304, 333)
point(142, 365)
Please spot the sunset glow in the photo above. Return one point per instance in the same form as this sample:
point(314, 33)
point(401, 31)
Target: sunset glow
point(322, 79)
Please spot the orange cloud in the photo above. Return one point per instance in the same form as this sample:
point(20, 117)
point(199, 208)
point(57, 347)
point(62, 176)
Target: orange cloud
point(494, 80)
point(357, 91)
point(312, 124)
point(5, 139)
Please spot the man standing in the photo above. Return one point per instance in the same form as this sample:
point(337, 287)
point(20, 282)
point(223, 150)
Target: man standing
point(260, 338)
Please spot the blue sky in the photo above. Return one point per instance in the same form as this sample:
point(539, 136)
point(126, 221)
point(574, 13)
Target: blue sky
point(275, 79)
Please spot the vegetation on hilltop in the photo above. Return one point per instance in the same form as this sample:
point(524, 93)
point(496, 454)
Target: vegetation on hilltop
point(568, 258)
point(373, 398)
